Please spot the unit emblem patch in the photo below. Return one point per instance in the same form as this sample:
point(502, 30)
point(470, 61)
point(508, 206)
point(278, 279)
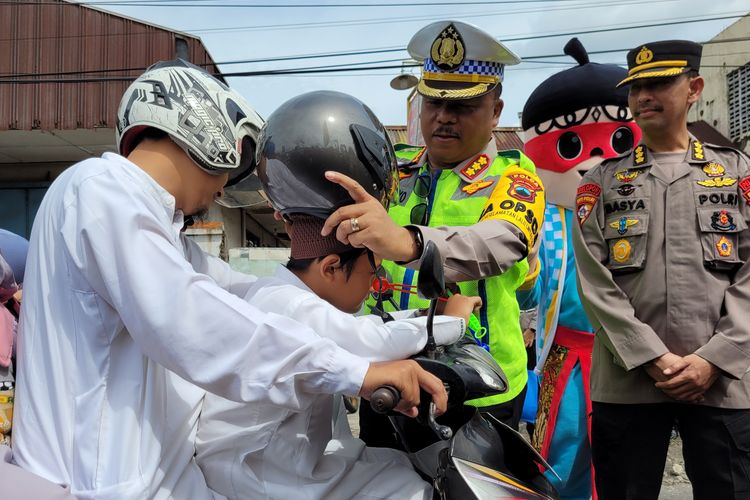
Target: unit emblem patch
point(724, 247)
point(621, 251)
point(721, 220)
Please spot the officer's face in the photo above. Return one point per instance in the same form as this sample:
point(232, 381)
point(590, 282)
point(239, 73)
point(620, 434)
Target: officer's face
point(455, 130)
point(659, 104)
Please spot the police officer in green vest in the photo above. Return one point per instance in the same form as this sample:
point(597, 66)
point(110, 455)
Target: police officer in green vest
point(482, 207)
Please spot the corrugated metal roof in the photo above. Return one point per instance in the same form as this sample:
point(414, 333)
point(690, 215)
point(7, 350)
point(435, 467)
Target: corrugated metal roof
point(505, 137)
point(704, 132)
point(71, 41)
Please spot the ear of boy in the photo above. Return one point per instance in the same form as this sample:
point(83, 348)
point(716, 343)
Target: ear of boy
point(328, 268)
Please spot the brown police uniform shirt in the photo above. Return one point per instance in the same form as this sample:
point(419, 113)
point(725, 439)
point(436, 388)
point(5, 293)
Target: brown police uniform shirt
point(662, 252)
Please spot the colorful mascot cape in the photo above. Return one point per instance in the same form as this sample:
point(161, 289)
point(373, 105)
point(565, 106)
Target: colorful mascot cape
point(572, 121)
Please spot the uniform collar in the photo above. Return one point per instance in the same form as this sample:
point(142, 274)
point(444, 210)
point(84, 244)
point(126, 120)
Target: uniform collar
point(642, 157)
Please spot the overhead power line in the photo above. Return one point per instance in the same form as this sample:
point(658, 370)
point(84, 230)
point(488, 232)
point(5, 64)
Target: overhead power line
point(360, 22)
point(391, 50)
point(204, 3)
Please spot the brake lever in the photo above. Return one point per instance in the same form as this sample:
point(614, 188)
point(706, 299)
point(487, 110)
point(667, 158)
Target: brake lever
point(443, 431)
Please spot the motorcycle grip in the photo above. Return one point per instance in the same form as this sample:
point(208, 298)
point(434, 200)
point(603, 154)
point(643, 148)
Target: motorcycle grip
point(384, 399)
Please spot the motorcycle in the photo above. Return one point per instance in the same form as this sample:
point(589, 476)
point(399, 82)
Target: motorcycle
point(484, 458)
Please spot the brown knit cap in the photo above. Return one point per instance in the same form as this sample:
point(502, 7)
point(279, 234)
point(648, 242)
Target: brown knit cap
point(307, 243)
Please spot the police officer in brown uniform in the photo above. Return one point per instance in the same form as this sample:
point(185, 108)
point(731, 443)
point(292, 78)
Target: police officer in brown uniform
point(662, 251)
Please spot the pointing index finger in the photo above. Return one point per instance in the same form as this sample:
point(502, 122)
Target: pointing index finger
point(355, 190)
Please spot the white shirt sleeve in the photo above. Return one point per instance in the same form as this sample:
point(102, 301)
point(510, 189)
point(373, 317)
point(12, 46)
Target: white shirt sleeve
point(180, 318)
point(232, 281)
point(364, 336)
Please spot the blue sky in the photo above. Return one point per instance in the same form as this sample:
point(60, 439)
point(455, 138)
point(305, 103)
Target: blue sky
point(251, 33)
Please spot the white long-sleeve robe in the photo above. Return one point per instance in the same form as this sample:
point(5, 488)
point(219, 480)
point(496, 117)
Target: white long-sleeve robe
point(254, 451)
point(122, 315)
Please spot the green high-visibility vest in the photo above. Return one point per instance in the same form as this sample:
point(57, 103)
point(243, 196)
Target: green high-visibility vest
point(451, 205)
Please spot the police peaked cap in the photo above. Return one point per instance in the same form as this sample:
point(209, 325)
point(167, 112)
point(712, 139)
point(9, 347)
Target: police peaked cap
point(588, 84)
point(665, 59)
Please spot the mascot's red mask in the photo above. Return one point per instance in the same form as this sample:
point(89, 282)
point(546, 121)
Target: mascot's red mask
point(561, 149)
point(575, 119)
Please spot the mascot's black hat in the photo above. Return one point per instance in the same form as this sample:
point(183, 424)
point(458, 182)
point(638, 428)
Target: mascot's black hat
point(588, 84)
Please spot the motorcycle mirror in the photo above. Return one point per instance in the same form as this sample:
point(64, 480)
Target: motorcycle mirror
point(431, 280)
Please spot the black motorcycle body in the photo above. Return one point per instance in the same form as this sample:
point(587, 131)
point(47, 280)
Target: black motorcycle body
point(477, 456)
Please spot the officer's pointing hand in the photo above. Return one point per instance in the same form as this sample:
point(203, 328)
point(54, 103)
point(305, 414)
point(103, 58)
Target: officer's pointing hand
point(366, 223)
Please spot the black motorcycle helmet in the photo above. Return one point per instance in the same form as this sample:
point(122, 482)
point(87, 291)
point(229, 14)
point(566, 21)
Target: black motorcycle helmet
point(317, 132)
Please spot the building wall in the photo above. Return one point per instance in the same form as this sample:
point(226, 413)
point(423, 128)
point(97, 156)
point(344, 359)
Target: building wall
point(721, 55)
point(41, 41)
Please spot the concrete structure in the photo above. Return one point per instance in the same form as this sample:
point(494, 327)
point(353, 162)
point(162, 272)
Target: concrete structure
point(725, 103)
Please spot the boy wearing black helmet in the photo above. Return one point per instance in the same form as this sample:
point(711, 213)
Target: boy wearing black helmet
point(261, 450)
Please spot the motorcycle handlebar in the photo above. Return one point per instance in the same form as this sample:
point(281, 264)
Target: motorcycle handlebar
point(384, 399)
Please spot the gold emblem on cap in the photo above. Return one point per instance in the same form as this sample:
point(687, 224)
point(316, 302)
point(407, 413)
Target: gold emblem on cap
point(644, 56)
point(448, 49)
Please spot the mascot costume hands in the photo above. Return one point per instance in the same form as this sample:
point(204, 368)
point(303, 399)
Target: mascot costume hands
point(572, 121)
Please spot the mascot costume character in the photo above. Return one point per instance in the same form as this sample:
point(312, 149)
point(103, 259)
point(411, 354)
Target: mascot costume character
point(572, 121)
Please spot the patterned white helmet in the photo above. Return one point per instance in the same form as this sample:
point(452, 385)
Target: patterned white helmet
point(215, 126)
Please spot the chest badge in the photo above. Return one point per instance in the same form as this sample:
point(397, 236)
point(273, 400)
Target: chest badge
point(626, 175)
point(718, 182)
point(476, 186)
point(625, 189)
point(621, 251)
point(721, 220)
point(713, 169)
point(623, 224)
point(724, 247)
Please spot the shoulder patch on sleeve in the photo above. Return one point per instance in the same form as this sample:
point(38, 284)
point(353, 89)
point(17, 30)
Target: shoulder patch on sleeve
point(586, 198)
point(745, 188)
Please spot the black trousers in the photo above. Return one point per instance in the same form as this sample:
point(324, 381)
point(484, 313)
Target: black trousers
point(376, 430)
point(630, 443)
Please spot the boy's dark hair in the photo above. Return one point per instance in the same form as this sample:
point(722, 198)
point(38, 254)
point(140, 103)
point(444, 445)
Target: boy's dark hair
point(348, 259)
point(151, 133)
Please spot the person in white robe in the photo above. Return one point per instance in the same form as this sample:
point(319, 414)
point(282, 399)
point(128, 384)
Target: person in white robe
point(263, 450)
